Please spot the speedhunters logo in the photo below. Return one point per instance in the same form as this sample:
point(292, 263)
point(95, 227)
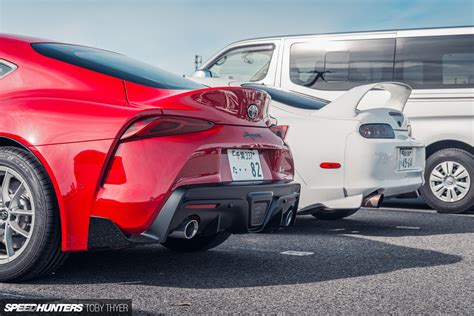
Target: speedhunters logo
point(64, 307)
point(43, 308)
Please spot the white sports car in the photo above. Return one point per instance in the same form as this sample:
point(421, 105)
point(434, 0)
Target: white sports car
point(347, 153)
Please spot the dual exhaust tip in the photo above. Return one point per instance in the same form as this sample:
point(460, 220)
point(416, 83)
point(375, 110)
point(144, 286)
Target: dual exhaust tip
point(190, 227)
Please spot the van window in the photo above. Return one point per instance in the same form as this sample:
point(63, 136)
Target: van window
point(436, 62)
point(341, 65)
point(115, 65)
point(337, 66)
point(243, 64)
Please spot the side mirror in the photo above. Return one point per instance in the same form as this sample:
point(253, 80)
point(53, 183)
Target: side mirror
point(202, 73)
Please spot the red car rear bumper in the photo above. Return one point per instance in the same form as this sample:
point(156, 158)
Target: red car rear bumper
point(235, 208)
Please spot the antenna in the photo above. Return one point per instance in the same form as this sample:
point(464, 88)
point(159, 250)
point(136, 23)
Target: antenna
point(197, 61)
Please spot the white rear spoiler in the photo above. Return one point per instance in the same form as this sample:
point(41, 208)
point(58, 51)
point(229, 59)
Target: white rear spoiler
point(346, 105)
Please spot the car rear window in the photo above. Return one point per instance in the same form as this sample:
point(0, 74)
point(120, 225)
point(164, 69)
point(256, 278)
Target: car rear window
point(115, 65)
point(290, 98)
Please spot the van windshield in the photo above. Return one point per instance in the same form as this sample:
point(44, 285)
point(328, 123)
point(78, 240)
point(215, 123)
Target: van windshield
point(243, 64)
point(292, 99)
point(115, 65)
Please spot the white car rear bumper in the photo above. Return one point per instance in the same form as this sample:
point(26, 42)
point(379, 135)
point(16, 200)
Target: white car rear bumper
point(371, 166)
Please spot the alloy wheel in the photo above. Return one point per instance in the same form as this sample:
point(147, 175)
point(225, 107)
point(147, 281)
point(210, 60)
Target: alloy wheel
point(17, 214)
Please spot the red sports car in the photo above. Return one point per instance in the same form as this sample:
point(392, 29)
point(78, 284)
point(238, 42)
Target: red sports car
point(100, 150)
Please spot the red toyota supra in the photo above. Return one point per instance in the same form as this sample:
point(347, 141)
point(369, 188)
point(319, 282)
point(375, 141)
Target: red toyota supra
point(100, 150)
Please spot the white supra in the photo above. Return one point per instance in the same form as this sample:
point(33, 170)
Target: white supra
point(348, 153)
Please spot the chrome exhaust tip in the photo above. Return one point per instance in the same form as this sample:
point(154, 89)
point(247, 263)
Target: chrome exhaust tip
point(187, 230)
point(373, 200)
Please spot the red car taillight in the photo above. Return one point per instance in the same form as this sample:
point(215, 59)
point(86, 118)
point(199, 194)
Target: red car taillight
point(165, 126)
point(280, 130)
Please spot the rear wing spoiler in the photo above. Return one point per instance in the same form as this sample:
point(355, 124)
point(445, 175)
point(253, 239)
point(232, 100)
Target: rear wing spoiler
point(346, 105)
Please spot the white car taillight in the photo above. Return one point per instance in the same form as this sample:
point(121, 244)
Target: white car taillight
point(376, 131)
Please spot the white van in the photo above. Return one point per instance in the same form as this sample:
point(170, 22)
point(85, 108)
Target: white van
point(437, 63)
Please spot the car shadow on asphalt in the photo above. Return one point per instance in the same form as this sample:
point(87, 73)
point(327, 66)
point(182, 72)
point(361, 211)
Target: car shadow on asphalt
point(387, 223)
point(414, 203)
point(335, 250)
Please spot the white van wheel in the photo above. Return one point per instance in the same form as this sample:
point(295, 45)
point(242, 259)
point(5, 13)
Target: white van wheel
point(449, 181)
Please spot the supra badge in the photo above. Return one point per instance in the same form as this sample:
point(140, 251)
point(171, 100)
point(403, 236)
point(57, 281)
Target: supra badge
point(252, 136)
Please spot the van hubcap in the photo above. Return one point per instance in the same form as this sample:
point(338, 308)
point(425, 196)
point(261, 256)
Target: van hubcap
point(17, 214)
point(450, 181)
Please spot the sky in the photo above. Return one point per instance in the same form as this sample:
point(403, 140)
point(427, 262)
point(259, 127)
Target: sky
point(168, 33)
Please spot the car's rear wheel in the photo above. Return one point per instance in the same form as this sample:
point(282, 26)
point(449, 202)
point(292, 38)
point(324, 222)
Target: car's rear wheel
point(449, 181)
point(198, 243)
point(29, 219)
point(331, 215)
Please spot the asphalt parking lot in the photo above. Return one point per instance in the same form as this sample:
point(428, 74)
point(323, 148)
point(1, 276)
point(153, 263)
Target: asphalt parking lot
point(390, 260)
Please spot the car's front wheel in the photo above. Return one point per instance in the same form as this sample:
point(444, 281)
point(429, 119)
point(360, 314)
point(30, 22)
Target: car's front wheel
point(198, 243)
point(449, 180)
point(29, 219)
point(331, 215)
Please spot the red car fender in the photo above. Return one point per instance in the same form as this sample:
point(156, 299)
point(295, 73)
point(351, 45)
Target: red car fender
point(76, 168)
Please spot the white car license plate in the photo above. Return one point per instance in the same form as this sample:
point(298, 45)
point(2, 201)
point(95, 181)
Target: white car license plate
point(245, 164)
point(405, 158)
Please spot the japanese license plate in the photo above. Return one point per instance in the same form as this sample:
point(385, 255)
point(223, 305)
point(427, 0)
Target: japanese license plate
point(245, 164)
point(405, 158)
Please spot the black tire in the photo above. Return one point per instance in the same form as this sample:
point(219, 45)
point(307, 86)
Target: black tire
point(332, 215)
point(42, 255)
point(461, 157)
point(198, 243)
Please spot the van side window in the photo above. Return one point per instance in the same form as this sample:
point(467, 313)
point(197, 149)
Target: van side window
point(436, 62)
point(336, 66)
point(243, 64)
point(341, 65)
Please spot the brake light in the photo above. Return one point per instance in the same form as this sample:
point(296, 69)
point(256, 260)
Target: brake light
point(330, 165)
point(280, 130)
point(376, 131)
point(165, 126)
